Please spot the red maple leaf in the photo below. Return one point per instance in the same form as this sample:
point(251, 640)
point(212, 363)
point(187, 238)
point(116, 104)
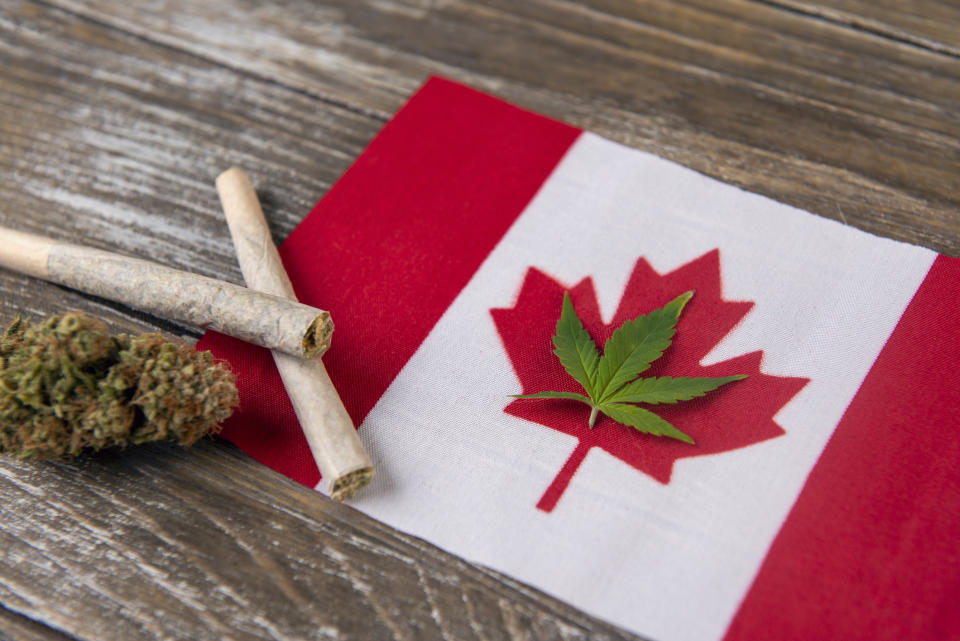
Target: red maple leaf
point(734, 416)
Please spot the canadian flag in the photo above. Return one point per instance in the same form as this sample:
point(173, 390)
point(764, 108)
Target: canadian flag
point(821, 498)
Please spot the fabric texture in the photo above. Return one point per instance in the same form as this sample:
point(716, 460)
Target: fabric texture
point(821, 498)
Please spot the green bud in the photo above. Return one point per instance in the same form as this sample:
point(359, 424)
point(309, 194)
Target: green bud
point(66, 387)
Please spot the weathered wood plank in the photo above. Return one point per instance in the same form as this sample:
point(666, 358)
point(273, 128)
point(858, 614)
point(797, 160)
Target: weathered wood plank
point(201, 544)
point(113, 141)
point(838, 121)
point(108, 141)
point(16, 627)
point(926, 23)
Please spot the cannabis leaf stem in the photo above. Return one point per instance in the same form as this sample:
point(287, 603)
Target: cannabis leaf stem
point(611, 380)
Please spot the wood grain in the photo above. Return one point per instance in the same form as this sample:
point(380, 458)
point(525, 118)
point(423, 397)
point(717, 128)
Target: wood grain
point(835, 120)
point(931, 24)
point(116, 117)
point(16, 627)
point(115, 143)
point(201, 544)
point(204, 544)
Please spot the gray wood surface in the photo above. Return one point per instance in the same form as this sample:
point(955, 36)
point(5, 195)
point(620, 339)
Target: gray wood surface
point(833, 119)
point(116, 117)
point(16, 627)
point(160, 542)
point(931, 24)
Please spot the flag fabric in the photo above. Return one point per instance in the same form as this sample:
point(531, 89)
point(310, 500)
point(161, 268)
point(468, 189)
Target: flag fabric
point(821, 498)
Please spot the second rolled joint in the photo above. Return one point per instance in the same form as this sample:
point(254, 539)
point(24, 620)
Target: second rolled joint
point(316, 340)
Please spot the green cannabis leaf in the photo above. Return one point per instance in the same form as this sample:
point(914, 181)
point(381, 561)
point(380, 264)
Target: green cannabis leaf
point(610, 380)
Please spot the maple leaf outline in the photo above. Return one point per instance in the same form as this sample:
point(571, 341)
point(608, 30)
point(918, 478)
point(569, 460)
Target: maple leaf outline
point(746, 410)
point(611, 380)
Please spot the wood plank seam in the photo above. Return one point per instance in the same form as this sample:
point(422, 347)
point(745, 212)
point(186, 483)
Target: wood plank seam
point(537, 96)
point(863, 25)
point(732, 79)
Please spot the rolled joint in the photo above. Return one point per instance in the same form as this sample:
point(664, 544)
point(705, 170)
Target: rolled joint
point(316, 340)
point(350, 483)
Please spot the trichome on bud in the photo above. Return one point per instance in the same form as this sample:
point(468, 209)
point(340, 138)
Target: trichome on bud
point(67, 386)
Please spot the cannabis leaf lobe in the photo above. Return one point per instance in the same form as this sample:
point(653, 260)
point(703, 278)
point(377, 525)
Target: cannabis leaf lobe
point(643, 420)
point(574, 347)
point(665, 389)
point(636, 344)
point(573, 396)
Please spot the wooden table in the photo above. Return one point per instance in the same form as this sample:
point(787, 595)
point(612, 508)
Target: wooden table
point(115, 118)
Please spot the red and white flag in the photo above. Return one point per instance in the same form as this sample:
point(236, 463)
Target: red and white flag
point(821, 499)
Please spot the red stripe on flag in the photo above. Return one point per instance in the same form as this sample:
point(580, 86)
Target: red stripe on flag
point(871, 549)
point(389, 248)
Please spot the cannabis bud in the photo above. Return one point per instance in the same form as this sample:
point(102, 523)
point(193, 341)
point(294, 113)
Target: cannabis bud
point(67, 386)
